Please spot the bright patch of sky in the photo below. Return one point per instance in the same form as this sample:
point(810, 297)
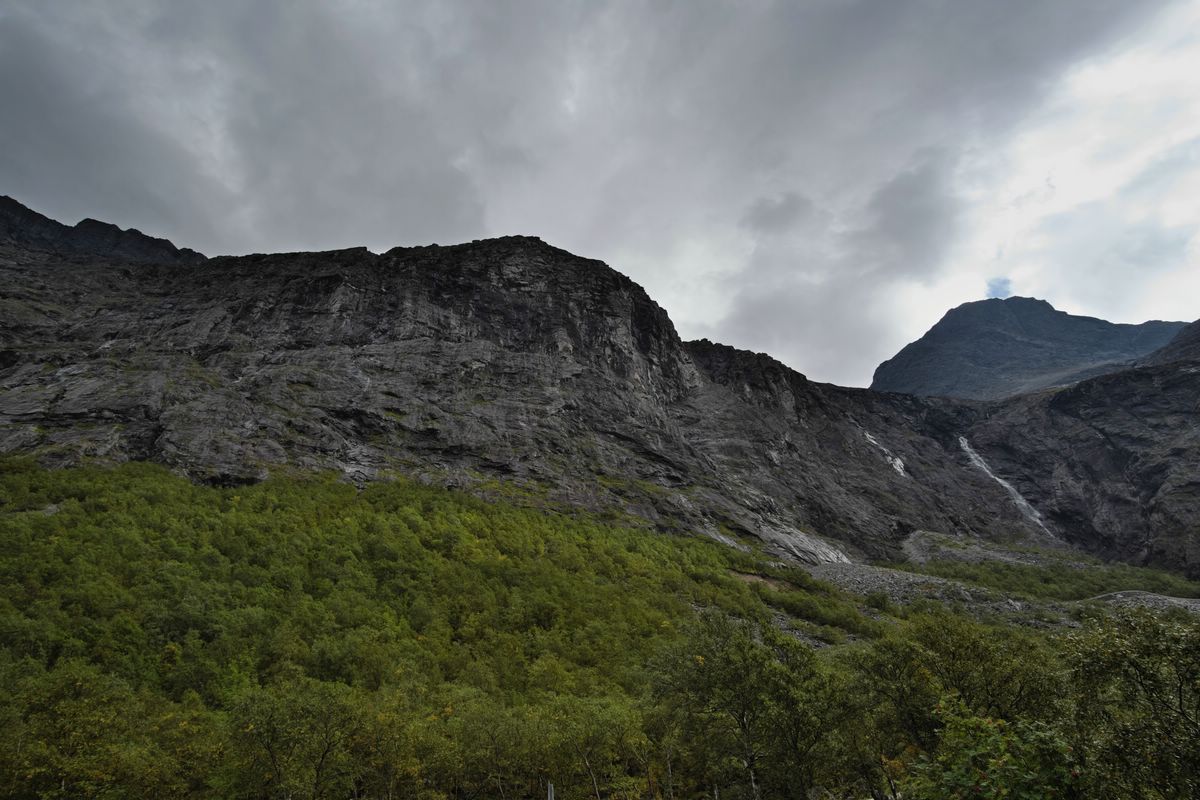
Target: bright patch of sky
point(999, 288)
point(1092, 202)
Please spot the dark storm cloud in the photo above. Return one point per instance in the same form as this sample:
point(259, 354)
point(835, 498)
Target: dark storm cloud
point(774, 172)
point(311, 125)
point(71, 145)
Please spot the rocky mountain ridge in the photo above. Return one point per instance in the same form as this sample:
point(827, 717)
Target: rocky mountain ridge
point(992, 349)
point(24, 227)
point(508, 365)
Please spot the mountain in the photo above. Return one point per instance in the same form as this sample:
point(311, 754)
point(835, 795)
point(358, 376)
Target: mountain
point(991, 349)
point(1184, 347)
point(23, 227)
point(510, 366)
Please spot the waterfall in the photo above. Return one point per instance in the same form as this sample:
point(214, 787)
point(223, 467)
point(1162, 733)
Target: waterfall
point(1029, 511)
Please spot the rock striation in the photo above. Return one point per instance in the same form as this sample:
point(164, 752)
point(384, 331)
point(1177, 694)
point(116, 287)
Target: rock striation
point(992, 349)
point(510, 366)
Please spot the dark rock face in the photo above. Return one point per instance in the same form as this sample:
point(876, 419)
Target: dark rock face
point(509, 363)
point(991, 349)
point(1112, 463)
point(856, 465)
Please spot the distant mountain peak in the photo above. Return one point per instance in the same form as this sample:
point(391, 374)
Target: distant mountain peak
point(21, 225)
point(995, 348)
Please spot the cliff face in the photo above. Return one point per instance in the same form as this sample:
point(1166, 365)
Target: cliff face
point(992, 349)
point(1112, 463)
point(509, 363)
point(859, 466)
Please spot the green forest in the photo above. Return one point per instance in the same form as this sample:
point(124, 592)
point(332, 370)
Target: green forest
point(306, 639)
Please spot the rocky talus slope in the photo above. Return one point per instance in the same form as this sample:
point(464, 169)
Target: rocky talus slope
point(992, 349)
point(508, 365)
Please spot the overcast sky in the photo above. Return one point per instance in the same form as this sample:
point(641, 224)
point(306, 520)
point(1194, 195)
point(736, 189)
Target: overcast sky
point(820, 179)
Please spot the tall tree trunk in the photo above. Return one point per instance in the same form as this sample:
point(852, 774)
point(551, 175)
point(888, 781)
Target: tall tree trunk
point(754, 790)
point(592, 775)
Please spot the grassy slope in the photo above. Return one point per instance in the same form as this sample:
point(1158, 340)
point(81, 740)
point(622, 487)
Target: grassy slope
point(1059, 581)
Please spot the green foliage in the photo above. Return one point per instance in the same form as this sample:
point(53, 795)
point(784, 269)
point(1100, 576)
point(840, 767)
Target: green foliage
point(1060, 581)
point(752, 707)
point(824, 608)
point(172, 586)
point(981, 757)
point(897, 683)
point(305, 639)
point(1139, 730)
point(274, 611)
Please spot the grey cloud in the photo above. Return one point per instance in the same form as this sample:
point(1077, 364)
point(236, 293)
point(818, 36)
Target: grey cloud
point(1118, 257)
point(335, 138)
point(1098, 235)
point(805, 329)
point(1151, 245)
point(910, 220)
point(652, 135)
point(73, 146)
point(825, 306)
point(776, 214)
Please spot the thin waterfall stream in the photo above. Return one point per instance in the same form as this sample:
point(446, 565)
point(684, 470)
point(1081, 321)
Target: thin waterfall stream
point(1029, 511)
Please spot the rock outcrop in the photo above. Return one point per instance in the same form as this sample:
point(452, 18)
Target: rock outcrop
point(992, 349)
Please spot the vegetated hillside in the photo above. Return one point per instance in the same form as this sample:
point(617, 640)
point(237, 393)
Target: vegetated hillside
point(510, 362)
point(302, 638)
point(992, 349)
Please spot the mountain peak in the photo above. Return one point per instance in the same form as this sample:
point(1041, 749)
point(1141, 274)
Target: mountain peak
point(994, 348)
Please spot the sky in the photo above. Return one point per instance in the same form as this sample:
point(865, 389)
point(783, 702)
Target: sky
point(817, 179)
